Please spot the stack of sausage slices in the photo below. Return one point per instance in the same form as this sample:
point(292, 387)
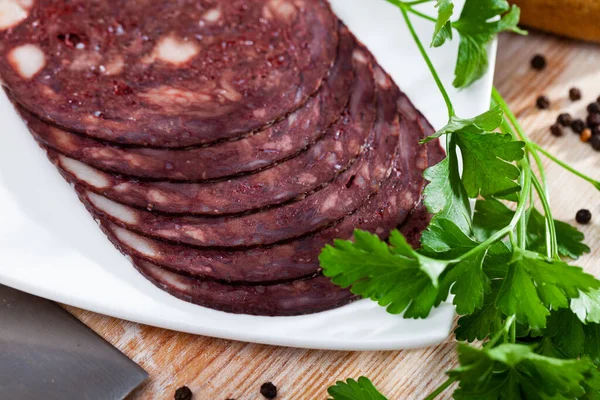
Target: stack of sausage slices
point(220, 144)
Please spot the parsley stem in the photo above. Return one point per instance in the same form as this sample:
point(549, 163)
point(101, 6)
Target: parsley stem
point(441, 389)
point(566, 166)
point(501, 234)
point(541, 188)
point(553, 242)
point(510, 321)
point(438, 81)
point(416, 2)
point(513, 332)
point(422, 15)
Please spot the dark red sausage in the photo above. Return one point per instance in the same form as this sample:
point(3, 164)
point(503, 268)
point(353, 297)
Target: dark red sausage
point(280, 141)
point(385, 211)
point(167, 73)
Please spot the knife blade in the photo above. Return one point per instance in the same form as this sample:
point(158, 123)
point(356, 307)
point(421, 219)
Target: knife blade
point(46, 353)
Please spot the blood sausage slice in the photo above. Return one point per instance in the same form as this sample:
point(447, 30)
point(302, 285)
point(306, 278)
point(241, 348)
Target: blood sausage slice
point(299, 297)
point(277, 142)
point(339, 199)
point(309, 295)
point(166, 73)
point(306, 173)
point(385, 211)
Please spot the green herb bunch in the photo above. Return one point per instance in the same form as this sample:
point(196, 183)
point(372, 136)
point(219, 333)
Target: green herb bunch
point(502, 259)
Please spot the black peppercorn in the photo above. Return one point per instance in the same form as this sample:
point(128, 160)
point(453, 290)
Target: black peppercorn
point(595, 142)
point(578, 126)
point(183, 393)
point(542, 102)
point(557, 130)
point(583, 216)
point(593, 120)
point(596, 130)
point(594, 108)
point(268, 390)
point(538, 62)
point(565, 119)
point(575, 94)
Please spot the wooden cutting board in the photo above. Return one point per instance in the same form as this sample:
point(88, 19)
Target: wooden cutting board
point(578, 19)
point(219, 369)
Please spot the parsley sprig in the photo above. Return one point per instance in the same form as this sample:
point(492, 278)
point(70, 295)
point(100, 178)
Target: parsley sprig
point(538, 316)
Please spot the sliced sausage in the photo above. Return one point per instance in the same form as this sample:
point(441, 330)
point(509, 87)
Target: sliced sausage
point(339, 199)
point(299, 297)
point(278, 142)
point(384, 212)
point(299, 176)
point(167, 73)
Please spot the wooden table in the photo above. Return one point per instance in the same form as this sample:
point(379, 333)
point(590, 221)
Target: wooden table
point(218, 369)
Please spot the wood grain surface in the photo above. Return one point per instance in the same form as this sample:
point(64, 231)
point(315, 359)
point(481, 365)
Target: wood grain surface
point(219, 369)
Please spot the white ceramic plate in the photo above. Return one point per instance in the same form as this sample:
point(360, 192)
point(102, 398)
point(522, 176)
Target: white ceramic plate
point(51, 247)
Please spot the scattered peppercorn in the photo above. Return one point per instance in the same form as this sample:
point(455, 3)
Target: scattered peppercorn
point(595, 141)
point(268, 390)
point(596, 130)
point(586, 135)
point(593, 120)
point(543, 102)
point(594, 108)
point(575, 94)
point(565, 119)
point(583, 216)
point(538, 62)
point(183, 393)
point(578, 126)
point(557, 130)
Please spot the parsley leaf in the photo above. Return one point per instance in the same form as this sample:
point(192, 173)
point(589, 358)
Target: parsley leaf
point(444, 239)
point(515, 371)
point(491, 215)
point(569, 238)
point(535, 285)
point(466, 279)
point(362, 389)
point(468, 282)
point(445, 195)
point(587, 306)
point(567, 337)
point(395, 276)
point(566, 333)
point(487, 319)
point(443, 26)
point(486, 122)
point(477, 27)
point(486, 159)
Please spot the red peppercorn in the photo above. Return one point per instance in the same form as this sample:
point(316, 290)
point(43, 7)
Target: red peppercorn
point(586, 135)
